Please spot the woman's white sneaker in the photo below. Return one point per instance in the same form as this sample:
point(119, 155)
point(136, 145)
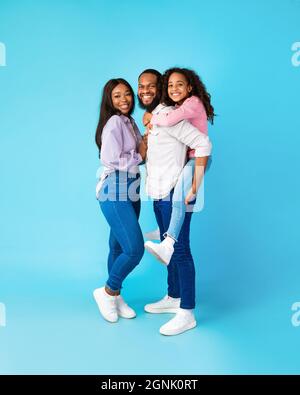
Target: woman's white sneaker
point(107, 304)
point(166, 305)
point(183, 321)
point(123, 309)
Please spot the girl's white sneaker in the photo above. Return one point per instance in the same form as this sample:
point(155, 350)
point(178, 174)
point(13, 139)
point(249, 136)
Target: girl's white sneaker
point(162, 251)
point(153, 235)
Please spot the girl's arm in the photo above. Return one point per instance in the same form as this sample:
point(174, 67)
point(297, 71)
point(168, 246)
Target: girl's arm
point(200, 165)
point(191, 108)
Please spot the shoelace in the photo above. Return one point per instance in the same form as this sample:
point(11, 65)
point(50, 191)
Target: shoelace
point(122, 302)
point(112, 302)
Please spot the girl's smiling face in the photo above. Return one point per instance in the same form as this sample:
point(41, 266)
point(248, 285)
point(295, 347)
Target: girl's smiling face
point(178, 88)
point(122, 99)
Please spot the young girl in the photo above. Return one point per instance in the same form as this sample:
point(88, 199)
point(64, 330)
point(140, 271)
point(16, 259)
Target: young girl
point(184, 89)
point(122, 150)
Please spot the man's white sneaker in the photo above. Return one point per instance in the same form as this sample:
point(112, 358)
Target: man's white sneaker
point(154, 235)
point(183, 321)
point(162, 251)
point(123, 309)
point(165, 305)
point(107, 304)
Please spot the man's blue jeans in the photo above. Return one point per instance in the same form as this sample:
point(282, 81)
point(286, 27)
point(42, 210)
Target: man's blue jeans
point(181, 269)
point(120, 204)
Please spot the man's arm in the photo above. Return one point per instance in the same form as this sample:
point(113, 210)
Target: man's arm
point(143, 146)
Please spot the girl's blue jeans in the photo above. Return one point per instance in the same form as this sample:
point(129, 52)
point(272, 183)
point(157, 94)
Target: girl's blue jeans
point(179, 208)
point(120, 203)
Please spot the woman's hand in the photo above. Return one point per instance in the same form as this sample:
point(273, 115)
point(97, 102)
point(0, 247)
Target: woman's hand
point(147, 118)
point(190, 196)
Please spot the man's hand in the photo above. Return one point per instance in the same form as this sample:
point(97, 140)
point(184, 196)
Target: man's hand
point(145, 137)
point(147, 118)
point(144, 146)
point(149, 127)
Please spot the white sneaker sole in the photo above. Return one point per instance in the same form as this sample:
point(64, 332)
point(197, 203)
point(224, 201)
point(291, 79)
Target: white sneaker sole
point(101, 311)
point(175, 332)
point(129, 317)
point(153, 252)
point(154, 310)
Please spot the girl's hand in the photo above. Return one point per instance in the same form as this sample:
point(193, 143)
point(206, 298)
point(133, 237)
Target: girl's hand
point(147, 118)
point(190, 196)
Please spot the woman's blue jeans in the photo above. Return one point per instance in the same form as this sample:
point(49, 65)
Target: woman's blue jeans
point(120, 203)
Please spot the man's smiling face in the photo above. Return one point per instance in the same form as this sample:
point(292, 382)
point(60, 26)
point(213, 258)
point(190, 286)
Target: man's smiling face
point(147, 89)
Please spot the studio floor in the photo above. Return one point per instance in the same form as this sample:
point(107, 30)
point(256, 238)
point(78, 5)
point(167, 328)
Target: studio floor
point(53, 326)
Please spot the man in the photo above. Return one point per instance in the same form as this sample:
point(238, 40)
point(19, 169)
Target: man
point(166, 157)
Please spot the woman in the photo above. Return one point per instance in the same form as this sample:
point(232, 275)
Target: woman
point(122, 150)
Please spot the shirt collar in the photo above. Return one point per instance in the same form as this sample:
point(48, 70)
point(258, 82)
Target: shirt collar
point(161, 107)
point(125, 119)
point(158, 109)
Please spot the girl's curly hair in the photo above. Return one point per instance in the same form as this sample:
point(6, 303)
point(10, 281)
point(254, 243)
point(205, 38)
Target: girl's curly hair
point(198, 89)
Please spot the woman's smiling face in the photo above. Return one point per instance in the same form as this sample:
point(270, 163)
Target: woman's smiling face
point(178, 88)
point(122, 99)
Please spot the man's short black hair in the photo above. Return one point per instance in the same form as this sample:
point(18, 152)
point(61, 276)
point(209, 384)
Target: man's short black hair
point(152, 71)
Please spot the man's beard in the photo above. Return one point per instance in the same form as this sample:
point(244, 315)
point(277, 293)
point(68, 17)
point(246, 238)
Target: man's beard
point(150, 107)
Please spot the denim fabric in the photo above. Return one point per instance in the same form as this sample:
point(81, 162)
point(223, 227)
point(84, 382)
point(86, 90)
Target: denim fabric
point(120, 204)
point(183, 185)
point(181, 189)
point(181, 269)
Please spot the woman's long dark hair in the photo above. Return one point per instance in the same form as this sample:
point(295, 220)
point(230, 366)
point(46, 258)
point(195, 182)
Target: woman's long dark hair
point(107, 109)
point(198, 89)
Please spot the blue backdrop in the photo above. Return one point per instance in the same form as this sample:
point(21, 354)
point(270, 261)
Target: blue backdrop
point(55, 58)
